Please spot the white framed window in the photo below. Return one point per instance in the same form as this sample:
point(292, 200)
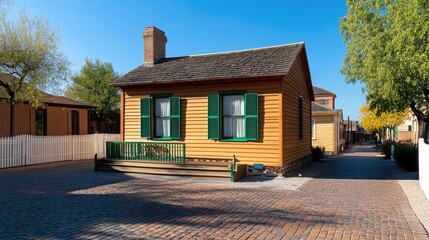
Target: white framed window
point(322, 101)
point(233, 116)
point(313, 128)
point(162, 117)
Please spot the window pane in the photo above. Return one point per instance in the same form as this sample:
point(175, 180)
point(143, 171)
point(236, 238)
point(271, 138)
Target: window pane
point(233, 120)
point(162, 127)
point(162, 107)
point(233, 127)
point(75, 122)
point(162, 117)
point(40, 120)
point(233, 105)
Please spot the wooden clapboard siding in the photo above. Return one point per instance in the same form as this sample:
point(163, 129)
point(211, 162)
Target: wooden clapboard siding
point(336, 137)
point(122, 114)
point(194, 111)
point(325, 132)
point(293, 85)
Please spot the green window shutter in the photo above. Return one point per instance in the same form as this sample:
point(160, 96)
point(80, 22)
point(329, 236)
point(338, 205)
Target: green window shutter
point(175, 117)
point(145, 111)
point(213, 116)
point(251, 115)
point(300, 118)
point(410, 128)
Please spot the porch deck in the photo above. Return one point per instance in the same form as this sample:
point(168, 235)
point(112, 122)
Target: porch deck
point(165, 159)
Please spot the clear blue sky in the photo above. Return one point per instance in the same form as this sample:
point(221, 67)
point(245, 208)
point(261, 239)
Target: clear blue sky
point(112, 31)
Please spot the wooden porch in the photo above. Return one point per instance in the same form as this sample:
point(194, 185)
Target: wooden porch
point(166, 159)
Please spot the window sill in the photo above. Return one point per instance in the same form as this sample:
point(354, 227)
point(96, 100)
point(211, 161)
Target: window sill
point(234, 140)
point(162, 139)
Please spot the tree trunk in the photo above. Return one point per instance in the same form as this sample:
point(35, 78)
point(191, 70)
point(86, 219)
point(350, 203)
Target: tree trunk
point(422, 118)
point(12, 118)
point(99, 117)
point(98, 124)
point(390, 134)
point(424, 127)
point(11, 94)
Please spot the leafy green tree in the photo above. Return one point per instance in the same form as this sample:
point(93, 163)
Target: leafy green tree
point(91, 85)
point(387, 49)
point(30, 59)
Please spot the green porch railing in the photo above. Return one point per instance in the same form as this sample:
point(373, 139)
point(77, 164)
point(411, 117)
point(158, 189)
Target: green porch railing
point(146, 151)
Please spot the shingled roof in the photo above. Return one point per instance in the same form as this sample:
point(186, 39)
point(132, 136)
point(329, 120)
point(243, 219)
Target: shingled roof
point(260, 62)
point(46, 98)
point(315, 107)
point(60, 100)
point(50, 99)
point(318, 90)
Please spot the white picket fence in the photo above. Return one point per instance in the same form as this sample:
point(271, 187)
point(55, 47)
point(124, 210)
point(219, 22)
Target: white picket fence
point(28, 150)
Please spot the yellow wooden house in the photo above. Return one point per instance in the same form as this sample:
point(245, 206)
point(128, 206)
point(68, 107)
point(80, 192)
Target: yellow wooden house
point(251, 107)
point(328, 127)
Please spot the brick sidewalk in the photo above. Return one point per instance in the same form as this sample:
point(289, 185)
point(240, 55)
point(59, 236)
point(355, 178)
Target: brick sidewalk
point(354, 197)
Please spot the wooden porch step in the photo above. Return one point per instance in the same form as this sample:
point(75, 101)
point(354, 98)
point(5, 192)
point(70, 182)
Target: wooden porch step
point(215, 171)
point(147, 164)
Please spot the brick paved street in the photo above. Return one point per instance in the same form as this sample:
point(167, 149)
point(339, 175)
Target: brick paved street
point(352, 197)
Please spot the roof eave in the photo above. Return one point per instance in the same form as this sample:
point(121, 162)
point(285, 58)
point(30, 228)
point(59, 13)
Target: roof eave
point(303, 55)
point(68, 105)
point(53, 104)
point(203, 80)
point(324, 112)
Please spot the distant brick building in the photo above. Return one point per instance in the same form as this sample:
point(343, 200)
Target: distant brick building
point(59, 116)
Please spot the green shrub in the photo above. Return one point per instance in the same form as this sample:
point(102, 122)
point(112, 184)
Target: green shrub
point(406, 156)
point(386, 149)
point(317, 153)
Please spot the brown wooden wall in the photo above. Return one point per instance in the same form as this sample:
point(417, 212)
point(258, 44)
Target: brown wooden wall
point(266, 150)
point(58, 120)
point(294, 85)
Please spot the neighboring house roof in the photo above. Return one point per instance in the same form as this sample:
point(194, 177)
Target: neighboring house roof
point(47, 98)
point(316, 107)
point(59, 100)
point(260, 62)
point(320, 91)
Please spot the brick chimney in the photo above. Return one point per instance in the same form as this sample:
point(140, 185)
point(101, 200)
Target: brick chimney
point(154, 45)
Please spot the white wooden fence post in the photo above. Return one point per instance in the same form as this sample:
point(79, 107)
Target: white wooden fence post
point(24, 149)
